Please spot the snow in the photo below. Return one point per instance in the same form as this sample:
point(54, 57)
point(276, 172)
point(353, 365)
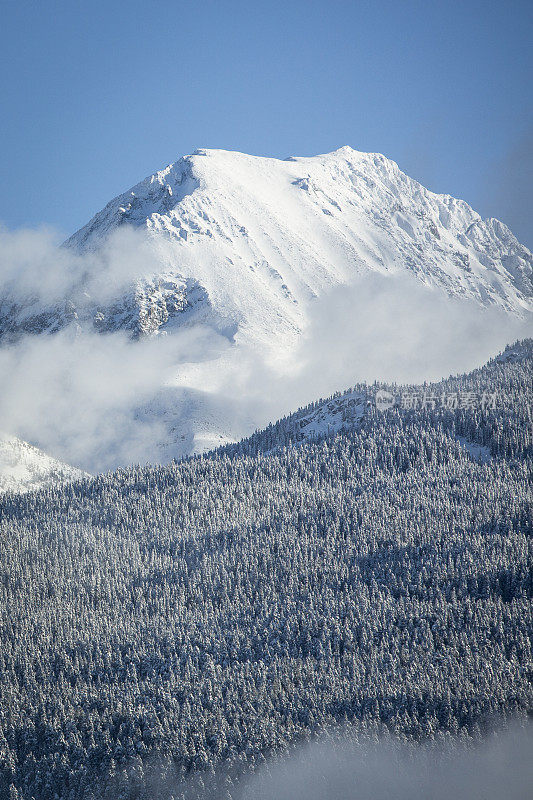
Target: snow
point(253, 234)
point(246, 245)
point(23, 467)
point(332, 416)
point(249, 243)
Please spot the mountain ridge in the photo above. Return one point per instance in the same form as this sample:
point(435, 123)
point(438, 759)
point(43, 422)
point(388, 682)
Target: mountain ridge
point(365, 210)
point(247, 242)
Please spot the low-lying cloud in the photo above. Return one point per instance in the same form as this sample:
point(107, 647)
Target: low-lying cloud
point(501, 767)
point(78, 396)
point(102, 400)
point(381, 328)
point(34, 264)
point(394, 328)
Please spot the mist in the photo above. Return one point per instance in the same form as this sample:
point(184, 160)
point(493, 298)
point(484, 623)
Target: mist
point(98, 401)
point(78, 397)
point(381, 328)
point(502, 766)
point(34, 264)
point(78, 394)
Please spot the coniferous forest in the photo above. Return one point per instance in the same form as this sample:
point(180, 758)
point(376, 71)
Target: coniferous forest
point(179, 623)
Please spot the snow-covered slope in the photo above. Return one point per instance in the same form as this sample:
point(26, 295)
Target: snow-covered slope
point(255, 238)
point(248, 241)
point(23, 467)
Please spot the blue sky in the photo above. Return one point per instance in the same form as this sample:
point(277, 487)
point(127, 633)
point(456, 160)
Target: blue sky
point(96, 95)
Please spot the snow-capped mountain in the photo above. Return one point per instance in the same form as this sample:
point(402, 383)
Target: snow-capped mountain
point(247, 247)
point(254, 239)
point(247, 242)
point(24, 467)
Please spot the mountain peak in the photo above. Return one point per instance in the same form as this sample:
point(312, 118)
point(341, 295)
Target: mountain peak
point(294, 226)
point(345, 150)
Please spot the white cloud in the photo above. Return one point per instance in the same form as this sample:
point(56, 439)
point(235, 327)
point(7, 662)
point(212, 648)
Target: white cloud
point(98, 401)
point(382, 328)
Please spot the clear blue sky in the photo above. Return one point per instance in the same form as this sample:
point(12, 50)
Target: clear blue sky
point(96, 95)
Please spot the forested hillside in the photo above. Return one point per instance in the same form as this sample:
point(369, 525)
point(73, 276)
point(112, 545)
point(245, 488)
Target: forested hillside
point(162, 622)
point(497, 398)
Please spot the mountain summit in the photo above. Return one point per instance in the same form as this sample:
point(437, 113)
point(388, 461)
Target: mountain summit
point(252, 240)
point(246, 244)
